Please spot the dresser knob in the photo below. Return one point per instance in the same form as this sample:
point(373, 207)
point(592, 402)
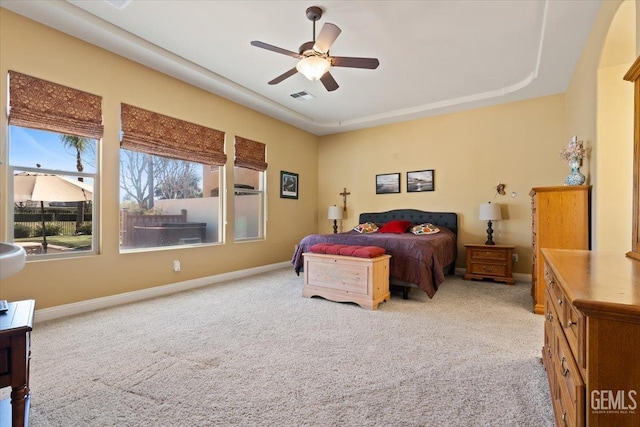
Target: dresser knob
point(559, 301)
point(570, 323)
point(549, 316)
point(564, 417)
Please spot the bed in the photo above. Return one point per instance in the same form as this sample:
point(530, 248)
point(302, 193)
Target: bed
point(417, 261)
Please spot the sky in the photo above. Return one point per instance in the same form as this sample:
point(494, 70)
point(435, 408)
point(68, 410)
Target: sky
point(29, 147)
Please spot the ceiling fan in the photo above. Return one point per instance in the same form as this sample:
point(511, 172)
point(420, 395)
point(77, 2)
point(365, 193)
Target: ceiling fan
point(314, 59)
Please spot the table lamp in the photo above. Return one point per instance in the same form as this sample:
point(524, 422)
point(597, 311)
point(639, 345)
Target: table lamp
point(335, 213)
point(490, 212)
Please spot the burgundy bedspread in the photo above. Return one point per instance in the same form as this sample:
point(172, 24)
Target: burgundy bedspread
point(419, 260)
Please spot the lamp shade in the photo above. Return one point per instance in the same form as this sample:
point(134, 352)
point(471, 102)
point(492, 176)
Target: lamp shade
point(313, 67)
point(490, 212)
point(335, 212)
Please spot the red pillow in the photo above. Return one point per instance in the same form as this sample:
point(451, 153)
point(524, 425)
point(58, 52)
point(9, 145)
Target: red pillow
point(397, 226)
point(320, 248)
point(369, 252)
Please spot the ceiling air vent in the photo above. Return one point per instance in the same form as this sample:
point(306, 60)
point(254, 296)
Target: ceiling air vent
point(302, 96)
point(119, 4)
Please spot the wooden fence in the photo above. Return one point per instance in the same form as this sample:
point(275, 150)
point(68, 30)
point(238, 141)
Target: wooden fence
point(129, 222)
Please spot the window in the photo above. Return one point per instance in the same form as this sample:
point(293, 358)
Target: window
point(53, 178)
point(249, 193)
point(167, 202)
point(54, 133)
point(170, 175)
point(249, 204)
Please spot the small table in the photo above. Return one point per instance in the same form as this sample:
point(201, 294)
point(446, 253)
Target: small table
point(15, 327)
point(490, 262)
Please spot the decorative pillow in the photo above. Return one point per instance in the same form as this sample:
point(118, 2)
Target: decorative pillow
point(367, 227)
point(426, 228)
point(397, 226)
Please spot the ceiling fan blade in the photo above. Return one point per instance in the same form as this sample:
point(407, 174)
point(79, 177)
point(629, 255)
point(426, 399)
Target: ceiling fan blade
point(276, 49)
point(351, 62)
point(328, 34)
point(329, 82)
point(283, 76)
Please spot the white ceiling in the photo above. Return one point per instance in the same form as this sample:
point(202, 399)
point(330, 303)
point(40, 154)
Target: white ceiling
point(435, 56)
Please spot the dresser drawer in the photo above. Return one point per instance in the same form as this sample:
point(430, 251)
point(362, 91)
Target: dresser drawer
point(488, 254)
point(489, 269)
point(562, 415)
point(548, 349)
point(574, 327)
point(569, 381)
point(555, 295)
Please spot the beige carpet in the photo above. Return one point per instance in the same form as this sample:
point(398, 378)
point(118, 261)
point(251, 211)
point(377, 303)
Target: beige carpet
point(253, 352)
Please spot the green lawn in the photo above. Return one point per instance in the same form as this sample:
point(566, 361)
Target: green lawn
point(66, 241)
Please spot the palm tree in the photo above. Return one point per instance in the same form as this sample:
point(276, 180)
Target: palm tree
point(80, 145)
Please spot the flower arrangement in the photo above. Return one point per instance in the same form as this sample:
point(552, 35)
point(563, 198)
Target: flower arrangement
point(574, 151)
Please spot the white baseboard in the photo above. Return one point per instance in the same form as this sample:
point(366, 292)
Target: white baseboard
point(127, 297)
point(519, 277)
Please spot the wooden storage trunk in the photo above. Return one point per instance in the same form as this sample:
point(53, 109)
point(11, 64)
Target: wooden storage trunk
point(364, 281)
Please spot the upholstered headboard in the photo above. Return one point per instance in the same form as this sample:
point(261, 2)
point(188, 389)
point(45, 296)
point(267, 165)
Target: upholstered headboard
point(443, 219)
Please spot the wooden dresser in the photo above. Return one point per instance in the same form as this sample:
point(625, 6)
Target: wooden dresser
point(15, 353)
point(591, 346)
point(559, 219)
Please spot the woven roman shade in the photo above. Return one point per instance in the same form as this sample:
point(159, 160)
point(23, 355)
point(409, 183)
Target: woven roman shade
point(250, 154)
point(161, 135)
point(40, 104)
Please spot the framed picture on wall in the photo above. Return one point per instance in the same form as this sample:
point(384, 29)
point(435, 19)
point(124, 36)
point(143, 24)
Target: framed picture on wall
point(388, 183)
point(288, 185)
point(418, 181)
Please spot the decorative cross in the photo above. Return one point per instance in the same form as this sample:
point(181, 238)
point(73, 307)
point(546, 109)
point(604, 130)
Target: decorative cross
point(344, 195)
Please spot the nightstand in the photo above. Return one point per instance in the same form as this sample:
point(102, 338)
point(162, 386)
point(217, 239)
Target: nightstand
point(490, 262)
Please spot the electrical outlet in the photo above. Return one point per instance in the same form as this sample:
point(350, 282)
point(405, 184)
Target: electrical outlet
point(176, 265)
point(514, 257)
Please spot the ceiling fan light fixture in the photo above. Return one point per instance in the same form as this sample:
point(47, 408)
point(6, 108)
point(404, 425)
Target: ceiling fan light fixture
point(313, 67)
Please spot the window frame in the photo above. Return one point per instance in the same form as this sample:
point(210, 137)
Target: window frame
point(220, 220)
point(262, 214)
point(95, 202)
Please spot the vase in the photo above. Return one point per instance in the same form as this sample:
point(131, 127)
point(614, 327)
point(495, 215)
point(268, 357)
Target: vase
point(574, 177)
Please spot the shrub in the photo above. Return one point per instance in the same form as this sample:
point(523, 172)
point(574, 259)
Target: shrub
point(85, 229)
point(21, 231)
point(50, 229)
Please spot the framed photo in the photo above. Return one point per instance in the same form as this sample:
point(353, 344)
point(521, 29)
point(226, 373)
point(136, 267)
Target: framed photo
point(388, 183)
point(288, 185)
point(418, 181)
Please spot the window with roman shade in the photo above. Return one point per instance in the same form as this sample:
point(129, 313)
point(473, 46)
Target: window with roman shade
point(249, 184)
point(171, 171)
point(54, 132)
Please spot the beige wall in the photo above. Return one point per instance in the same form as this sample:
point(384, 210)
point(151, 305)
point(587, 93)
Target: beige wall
point(34, 49)
point(614, 168)
point(600, 109)
point(517, 144)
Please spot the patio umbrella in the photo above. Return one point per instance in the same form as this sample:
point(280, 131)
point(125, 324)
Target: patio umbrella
point(39, 187)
